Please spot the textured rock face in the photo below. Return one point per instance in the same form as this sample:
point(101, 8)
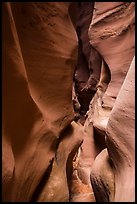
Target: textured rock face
point(46, 156)
point(109, 38)
point(111, 28)
point(121, 144)
point(56, 188)
point(37, 91)
point(114, 179)
point(89, 61)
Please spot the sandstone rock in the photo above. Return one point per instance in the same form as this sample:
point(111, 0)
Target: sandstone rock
point(114, 179)
point(116, 58)
point(46, 156)
point(39, 55)
point(120, 139)
point(56, 188)
point(80, 189)
point(102, 178)
point(111, 28)
point(89, 61)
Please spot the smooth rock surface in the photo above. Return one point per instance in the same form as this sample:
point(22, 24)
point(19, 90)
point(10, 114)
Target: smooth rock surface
point(118, 180)
point(37, 76)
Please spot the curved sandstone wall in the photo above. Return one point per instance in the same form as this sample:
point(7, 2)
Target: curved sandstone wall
point(39, 55)
point(56, 55)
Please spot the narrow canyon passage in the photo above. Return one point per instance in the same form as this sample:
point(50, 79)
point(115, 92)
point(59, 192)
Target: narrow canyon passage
point(68, 93)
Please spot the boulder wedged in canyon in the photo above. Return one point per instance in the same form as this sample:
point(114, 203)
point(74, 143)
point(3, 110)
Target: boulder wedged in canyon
point(37, 82)
point(117, 182)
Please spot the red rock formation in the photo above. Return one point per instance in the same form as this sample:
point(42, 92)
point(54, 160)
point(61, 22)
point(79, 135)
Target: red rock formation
point(116, 58)
point(39, 56)
point(46, 156)
point(89, 61)
point(113, 171)
point(111, 28)
point(57, 186)
point(104, 32)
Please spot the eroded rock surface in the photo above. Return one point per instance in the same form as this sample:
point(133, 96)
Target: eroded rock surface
point(117, 181)
point(37, 92)
point(112, 26)
point(89, 61)
point(110, 39)
point(56, 55)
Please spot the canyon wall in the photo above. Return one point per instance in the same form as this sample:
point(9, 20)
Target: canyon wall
point(113, 171)
point(56, 55)
point(111, 34)
point(86, 75)
point(39, 51)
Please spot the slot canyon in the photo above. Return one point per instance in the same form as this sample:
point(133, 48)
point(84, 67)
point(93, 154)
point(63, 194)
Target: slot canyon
point(68, 101)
